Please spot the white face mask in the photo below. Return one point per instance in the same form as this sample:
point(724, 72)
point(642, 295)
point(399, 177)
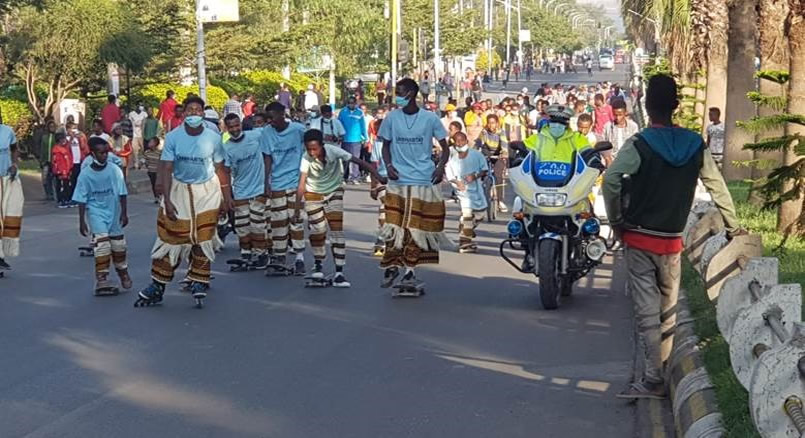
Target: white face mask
point(464, 148)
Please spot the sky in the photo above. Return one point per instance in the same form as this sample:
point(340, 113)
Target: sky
point(612, 8)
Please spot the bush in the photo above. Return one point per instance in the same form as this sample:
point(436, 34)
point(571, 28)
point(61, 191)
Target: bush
point(17, 115)
point(264, 84)
point(152, 94)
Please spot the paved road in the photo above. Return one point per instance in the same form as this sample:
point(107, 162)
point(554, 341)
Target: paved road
point(475, 357)
point(619, 76)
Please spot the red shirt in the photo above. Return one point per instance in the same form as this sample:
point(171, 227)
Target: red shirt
point(653, 244)
point(248, 108)
point(61, 161)
point(174, 122)
point(603, 114)
point(167, 109)
point(110, 114)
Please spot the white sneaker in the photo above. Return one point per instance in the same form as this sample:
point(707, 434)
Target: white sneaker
point(502, 207)
point(340, 281)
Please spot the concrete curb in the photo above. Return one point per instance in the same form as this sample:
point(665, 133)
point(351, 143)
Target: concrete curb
point(693, 396)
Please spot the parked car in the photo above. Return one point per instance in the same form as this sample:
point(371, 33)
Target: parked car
point(606, 62)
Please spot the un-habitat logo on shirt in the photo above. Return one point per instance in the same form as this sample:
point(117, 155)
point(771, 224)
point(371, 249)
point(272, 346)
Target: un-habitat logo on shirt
point(553, 171)
point(98, 194)
point(400, 139)
point(187, 159)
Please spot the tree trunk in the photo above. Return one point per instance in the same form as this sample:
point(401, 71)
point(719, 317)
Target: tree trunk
point(718, 22)
point(740, 80)
point(791, 211)
point(773, 56)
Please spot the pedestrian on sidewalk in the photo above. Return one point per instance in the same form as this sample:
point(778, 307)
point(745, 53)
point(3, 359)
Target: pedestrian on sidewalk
point(46, 144)
point(602, 114)
point(243, 160)
point(137, 118)
point(321, 188)
point(408, 133)
point(62, 163)
point(151, 126)
point(464, 171)
point(352, 119)
point(618, 130)
point(101, 195)
point(11, 197)
point(167, 110)
point(193, 178)
point(79, 149)
point(715, 135)
point(110, 113)
point(282, 143)
point(152, 154)
point(651, 224)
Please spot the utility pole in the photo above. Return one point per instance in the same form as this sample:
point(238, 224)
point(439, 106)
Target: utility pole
point(508, 32)
point(436, 49)
point(286, 26)
point(202, 67)
point(519, 29)
point(488, 25)
point(394, 6)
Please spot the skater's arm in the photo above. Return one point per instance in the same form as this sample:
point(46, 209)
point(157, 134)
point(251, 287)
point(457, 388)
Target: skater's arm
point(386, 152)
point(82, 224)
point(267, 164)
point(124, 215)
point(226, 185)
point(166, 168)
point(438, 174)
point(300, 194)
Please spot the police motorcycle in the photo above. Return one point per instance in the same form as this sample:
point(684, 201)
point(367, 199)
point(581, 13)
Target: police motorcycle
point(554, 225)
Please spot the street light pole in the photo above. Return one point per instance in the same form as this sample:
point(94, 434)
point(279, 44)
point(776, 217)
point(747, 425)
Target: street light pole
point(202, 67)
point(519, 31)
point(508, 32)
point(488, 7)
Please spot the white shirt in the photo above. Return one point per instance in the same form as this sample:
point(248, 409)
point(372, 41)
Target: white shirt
point(715, 133)
point(75, 149)
point(137, 122)
point(311, 98)
point(329, 127)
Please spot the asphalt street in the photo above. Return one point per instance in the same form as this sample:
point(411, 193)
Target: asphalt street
point(476, 357)
point(513, 87)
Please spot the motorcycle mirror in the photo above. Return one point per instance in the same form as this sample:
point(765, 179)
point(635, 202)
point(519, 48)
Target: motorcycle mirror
point(603, 146)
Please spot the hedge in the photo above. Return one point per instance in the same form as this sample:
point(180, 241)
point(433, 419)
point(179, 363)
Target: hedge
point(152, 94)
point(265, 84)
point(17, 115)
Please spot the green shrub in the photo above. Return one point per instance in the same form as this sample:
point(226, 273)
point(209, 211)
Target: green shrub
point(265, 84)
point(153, 94)
point(17, 115)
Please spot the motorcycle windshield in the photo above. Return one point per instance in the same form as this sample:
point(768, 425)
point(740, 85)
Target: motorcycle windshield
point(549, 173)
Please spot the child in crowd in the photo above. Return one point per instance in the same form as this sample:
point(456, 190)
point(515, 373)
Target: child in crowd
point(464, 171)
point(153, 151)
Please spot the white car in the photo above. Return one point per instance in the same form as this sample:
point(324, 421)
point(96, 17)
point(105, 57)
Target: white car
point(606, 62)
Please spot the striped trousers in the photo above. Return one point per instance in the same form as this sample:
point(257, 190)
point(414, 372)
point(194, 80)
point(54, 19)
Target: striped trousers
point(468, 222)
point(379, 193)
point(283, 203)
point(250, 225)
point(323, 211)
point(108, 250)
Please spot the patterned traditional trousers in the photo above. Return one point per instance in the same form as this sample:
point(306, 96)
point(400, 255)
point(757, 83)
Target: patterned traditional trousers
point(11, 202)
point(109, 250)
point(323, 211)
point(250, 226)
point(414, 227)
point(283, 204)
point(468, 222)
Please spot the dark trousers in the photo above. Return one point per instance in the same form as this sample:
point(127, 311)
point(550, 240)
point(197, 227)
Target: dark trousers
point(74, 179)
point(153, 177)
point(351, 170)
point(48, 181)
point(63, 191)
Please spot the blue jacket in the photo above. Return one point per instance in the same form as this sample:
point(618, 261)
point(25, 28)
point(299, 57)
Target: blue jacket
point(354, 125)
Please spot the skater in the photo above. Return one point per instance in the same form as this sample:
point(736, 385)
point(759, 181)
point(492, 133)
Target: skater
point(321, 187)
point(464, 171)
point(101, 193)
point(415, 211)
point(194, 181)
point(243, 161)
point(11, 197)
point(282, 145)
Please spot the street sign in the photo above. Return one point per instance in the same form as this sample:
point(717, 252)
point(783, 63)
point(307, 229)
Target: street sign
point(217, 11)
point(525, 35)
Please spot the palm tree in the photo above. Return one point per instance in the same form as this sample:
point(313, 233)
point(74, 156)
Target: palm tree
point(717, 26)
point(740, 80)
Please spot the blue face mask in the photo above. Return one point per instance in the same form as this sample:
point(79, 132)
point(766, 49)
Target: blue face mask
point(193, 121)
point(401, 101)
point(556, 129)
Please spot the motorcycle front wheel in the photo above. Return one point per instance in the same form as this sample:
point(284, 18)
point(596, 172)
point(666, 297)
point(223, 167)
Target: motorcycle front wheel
point(550, 283)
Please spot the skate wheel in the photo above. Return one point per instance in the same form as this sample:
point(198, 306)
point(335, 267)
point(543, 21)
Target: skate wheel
point(199, 303)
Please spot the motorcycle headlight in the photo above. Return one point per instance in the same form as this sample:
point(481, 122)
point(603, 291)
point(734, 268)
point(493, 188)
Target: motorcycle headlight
point(514, 228)
point(591, 226)
point(551, 199)
point(596, 250)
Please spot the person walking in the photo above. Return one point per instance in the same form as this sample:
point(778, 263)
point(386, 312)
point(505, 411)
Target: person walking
point(233, 106)
point(408, 133)
point(110, 113)
point(651, 224)
point(355, 135)
point(424, 87)
point(167, 110)
point(249, 106)
point(715, 135)
point(62, 167)
point(619, 129)
point(282, 146)
point(193, 179)
point(465, 169)
point(243, 161)
point(137, 118)
point(46, 144)
point(79, 149)
point(331, 128)
point(150, 126)
point(121, 146)
point(152, 154)
point(101, 195)
point(11, 196)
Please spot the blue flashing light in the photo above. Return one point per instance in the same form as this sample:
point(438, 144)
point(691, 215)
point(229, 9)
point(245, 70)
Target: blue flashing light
point(514, 228)
point(591, 226)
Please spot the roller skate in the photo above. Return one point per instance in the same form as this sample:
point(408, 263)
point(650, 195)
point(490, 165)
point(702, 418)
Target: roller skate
point(260, 262)
point(103, 286)
point(86, 251)
point(125, 279)
point(409, 286)
point(242, 264)
point(468, 248)
point(199, 291)
point(339, 280)
point(4, 266)
point(316, 278)
point(277, 267)
point(299, 267)
point(151, 295)
point(389, 275)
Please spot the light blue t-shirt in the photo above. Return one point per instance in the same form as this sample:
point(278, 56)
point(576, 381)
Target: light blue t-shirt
point(111, 159)
point(377, 157)
point(193, 156)
point(245, 159)
point(7, 138)
point(286, 149)
point(458, 168)
point(101, 191)
point(411, 139)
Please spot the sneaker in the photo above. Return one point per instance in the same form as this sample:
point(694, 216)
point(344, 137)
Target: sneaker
point(299, 267)
point(340, 281)
point(409, 279)
point(62, 205)
point(153, 292)
point(643, 389)
point(316, 272)
point(389, 275)
point(468, 249)
point(260, 262)
point(502, 207)
point(4, 266)
point(199, 290)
